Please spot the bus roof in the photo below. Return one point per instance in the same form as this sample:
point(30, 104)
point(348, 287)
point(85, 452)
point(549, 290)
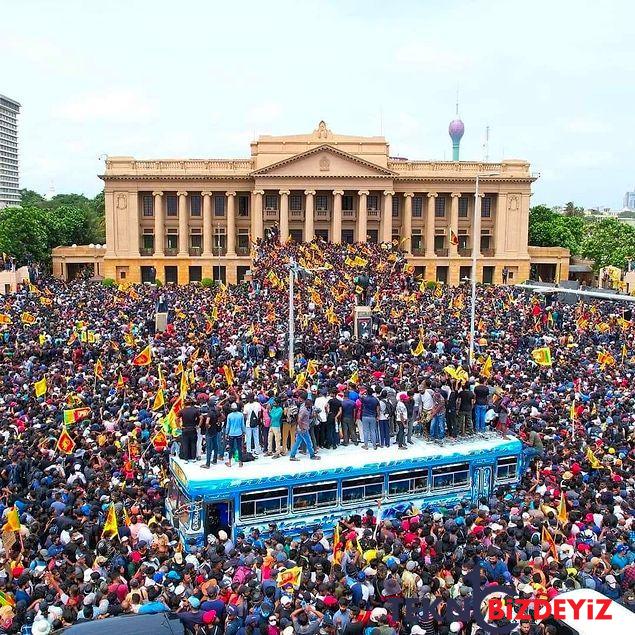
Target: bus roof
point(267, 472)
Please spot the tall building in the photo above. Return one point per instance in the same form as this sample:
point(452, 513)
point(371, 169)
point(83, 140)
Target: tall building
point(629, 201)
point(9, 175)
point(181, 220)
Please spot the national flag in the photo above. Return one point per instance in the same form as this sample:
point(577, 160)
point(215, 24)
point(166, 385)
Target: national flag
point(159, 400)
point(542, 356)
point(73, 400)
point(99, 369)
point(454, 239)
point(562, 510)
point(159, 441)
point(126, 518)
point(179, 368)
point(129, 339)
point(624, 324)
point(336, 537)
point(65, 442)
point(6, 599)
point(13, 520)
point(624, 352)
point(486, 369)
point(45, 301)
point(143, 358)
point(27, 318)
point(184, 385)
point(548, 538)
point(5, 319)
point(194, 356)
point(209, 326)
point(120, 382)
point(40, 387)
point(315, 298)
point(360, 262)
point(311, 368)
point(162, 382)
point(289, 577)
point(72, 338)
point(330, 316)
point(215, 313)
point(354, 378)
point(419, 349)
point(110, 526)
point(592, 459)
point(177, 405)
point(605, 359)
point(229, 375)
point(480, 327)
point(76, 414)
point(300, 378)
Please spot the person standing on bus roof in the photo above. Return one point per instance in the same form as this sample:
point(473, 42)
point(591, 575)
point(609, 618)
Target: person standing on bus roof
point(481, 393)
point(235, 432)
point(189, 435)
point(253, 420)
point(302, 434)
point(370, 412)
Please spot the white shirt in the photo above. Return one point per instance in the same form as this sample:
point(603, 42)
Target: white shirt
point(254, 407)
point(427, 402)
point(320, 406)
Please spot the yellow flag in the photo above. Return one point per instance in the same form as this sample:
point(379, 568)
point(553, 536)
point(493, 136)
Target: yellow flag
point(13, 520)
point(311, 368)
point(159, 400)
point(418, 349)
point(300, 379)
point(486, 370)
point(229, 375)
point(592, 459)
point(289, 577)
point(40, 387)
point(354, 379)
point(110, 526)
point(562, 509)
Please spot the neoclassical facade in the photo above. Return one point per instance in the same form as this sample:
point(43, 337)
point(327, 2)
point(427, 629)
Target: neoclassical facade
point(182, 220)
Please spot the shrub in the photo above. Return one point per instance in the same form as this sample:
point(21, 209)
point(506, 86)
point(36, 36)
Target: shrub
point(431, 284)
point(207, 282)
point(109, 282)
point(158, 282)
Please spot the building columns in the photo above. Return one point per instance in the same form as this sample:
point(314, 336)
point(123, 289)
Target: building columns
point(309, 231)
point(284, 215)
point(476, 228)
point(159, 230)
point(387, 215)
point(406, 227)
point(257, 223)
point(454, 224)
point(336, 225)
point(362, 216)
point(183, 226)
point(499, 224)
point(432, 196)
point(207, 224)
point(231, 224)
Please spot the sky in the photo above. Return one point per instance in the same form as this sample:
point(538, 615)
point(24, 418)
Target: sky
point(202, 78)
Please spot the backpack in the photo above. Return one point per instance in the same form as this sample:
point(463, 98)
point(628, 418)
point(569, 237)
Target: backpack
point(253, 420)
point(292, 411)
point(390, 408)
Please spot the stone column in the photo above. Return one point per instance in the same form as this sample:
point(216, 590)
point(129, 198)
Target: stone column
point(476, 227)
point(387, 214)
point(454, 224)
point(362, 216)
point(499, 224)
point(309, 231)
point(257, 222)
point(159, 231)
point(183, 224)
point(284, 215)
point(406, 227)
point(207, 224)
point(430, 225)
point(231, 224)
point(336, 224)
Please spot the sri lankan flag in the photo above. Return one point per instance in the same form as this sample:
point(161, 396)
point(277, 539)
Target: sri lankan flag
point(311, 368)
point(27, 318)
point(143, 358)
point(454, 239)
point(542, 356)
point(120, 382)
point(229, 375)
point(99, 369)
point(548, 538)
point(289, 577)
point(486, 369)
point(562, 510)
point(13, 520)
point(75, 414)
point(418, 350)
point(209, 327)
point(5, 319)
point(65, 442)
point(40, 387)
point(159, 400)
point(110, 526)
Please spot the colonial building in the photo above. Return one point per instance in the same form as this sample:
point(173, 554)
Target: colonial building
point(182, 220)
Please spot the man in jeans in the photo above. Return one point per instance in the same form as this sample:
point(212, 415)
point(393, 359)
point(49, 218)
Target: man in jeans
point(481, 394)
point(302, 434)
point(437, 424)
point(370, 412)
point(349, 431)
point(253, 419)
point(211, 426)
point(464, 405)
point(235, 432)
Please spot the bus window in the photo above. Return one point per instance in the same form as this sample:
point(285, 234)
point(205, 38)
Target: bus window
point(450, 476)
point(260, 504)
point(359, 489)
point(407, 482)
point(506, 468)
point(315, 495)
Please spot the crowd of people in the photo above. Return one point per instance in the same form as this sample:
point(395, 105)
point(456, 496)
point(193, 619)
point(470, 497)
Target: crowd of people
point(86, 441)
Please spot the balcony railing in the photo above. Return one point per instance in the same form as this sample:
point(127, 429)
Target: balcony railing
point(348, 214)
point(296, 214)
point(171, 251)
point(146, 251)
point(442, 253)
point(418, 251)
point(322, 214)
point(372, 213)
point(465, 252)
point(219, 251)
point(488, 253)
point(196, 251)
point(242, 251)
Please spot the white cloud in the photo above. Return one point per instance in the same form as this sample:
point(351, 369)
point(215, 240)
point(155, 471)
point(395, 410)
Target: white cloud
point(113, 105)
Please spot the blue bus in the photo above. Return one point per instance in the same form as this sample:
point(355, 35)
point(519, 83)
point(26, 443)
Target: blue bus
point(306, 495)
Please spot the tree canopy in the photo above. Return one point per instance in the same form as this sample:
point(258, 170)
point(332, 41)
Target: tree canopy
point(550, 229)
point(609, 242)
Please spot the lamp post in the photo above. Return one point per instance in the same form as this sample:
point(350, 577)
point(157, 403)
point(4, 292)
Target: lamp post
point(475, 246)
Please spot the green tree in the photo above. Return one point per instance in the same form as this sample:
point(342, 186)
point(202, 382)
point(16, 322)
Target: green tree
point(609, 242)
point(549, 229)
point(23, 233)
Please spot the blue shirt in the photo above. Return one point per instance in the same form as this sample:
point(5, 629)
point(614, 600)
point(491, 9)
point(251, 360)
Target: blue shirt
point(369, 406)
point(235, 424)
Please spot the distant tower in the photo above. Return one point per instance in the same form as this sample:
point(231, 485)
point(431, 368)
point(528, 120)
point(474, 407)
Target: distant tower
point(51, 193)
point(456, 131)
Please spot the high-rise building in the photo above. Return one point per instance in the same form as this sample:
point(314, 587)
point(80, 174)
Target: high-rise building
point(629, 201)
point(9, 176)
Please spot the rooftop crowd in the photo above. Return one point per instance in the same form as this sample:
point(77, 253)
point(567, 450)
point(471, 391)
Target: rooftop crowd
point(69, 348)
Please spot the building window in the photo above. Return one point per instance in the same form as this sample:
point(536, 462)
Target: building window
point(243, 239)
point(171, 205)
point(295, 203)
point(417, 242)
point(486, 242)
point(321, 202)
point(148, 241)
point(196, 273)
point(220, 240)
point(172, 241)
point(219, 206)
point(347, 202)
point(465, 273)
point(486, 207)
point(463, 241)
point(417, 206)
point(439, 207)
point(271, 201)
point(395, 206)
point(296, 235)
point(439, 242)
point(195, 205)
point(372, 202)
point(442, 274)
point(243, 206)
point(196, 241)
point(148, 205)
point(463, 205)
point(488, 275)
point(347, 236)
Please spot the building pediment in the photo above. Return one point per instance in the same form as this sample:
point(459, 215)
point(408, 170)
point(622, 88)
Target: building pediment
point(324, 161)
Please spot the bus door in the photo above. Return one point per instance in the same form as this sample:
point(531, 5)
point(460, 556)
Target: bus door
point(219, 515)
point(482, 482)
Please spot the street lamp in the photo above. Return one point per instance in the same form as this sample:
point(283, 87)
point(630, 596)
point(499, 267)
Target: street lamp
point(475, 246)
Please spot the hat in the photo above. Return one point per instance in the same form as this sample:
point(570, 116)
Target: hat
point(41, 627)
point(222, 535)
point(194, 601)
point(417, 630)
point(377, 613)
point(209, 617)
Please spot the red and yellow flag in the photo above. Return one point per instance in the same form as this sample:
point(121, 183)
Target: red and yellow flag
point(27, 318)
point(562, 510)
point(143, 358)
point(548, 538)
point(289, 577)
point(5, 319)
point(65, 442)
point(99, 369)
point(75, 414)
point(111, 528)
point(159, 400)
